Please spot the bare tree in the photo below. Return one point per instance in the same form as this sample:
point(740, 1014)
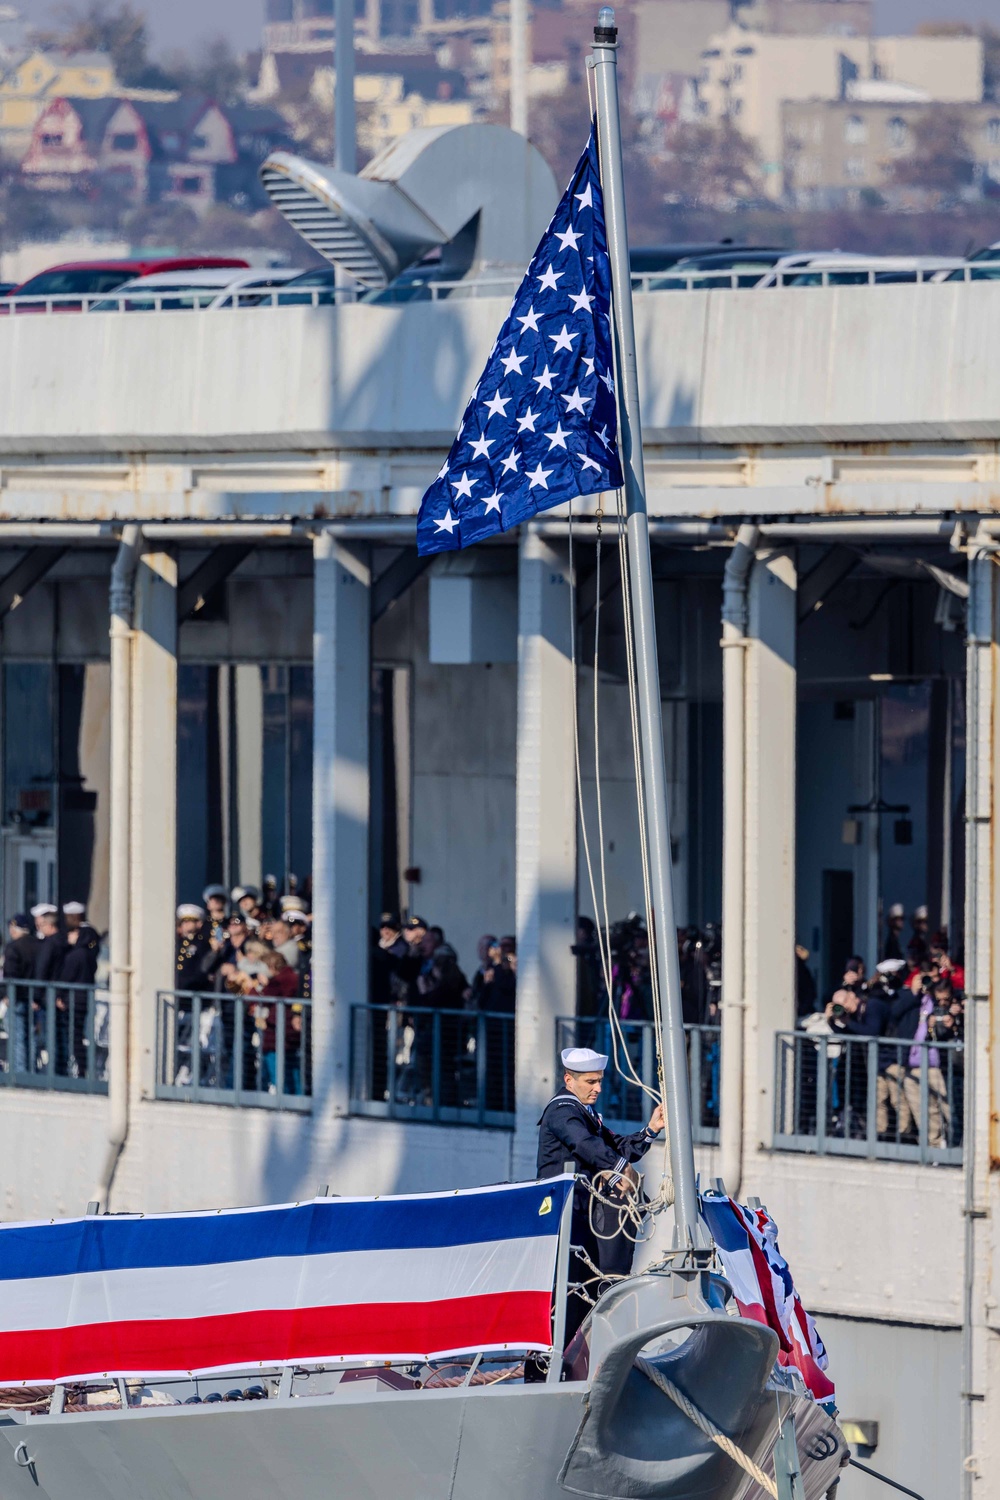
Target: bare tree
point(712, 166)
point(941, 161)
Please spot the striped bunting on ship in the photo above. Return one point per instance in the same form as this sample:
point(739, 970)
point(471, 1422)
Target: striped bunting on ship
point(418, 1277)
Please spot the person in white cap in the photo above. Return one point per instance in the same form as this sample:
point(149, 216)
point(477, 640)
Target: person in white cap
point(572, 1130)
point(83, 946)
point(895, 922)
point(42, 909)
point(194, 951)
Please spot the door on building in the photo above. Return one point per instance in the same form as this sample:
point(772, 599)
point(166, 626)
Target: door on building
point(29, 870)
point(838, 927)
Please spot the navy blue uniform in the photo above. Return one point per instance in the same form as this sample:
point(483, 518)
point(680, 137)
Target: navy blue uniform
point(570, 1130)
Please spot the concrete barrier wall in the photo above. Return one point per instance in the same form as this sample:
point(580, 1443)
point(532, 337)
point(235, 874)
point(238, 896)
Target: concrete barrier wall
point(795, 364)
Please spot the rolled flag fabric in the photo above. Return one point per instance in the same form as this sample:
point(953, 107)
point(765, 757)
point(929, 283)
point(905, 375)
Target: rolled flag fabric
point(542, 425)
point(747, 1242)
point(335, 1279)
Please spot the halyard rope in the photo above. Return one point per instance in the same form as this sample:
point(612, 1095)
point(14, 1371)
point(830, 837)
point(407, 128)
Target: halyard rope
point(707, 1426)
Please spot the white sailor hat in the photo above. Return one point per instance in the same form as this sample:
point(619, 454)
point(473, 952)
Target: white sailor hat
point(74, 908)
point(292, 904)
point(44, 909)
point(890, 966)
point(189, 912)
point(583, 1060)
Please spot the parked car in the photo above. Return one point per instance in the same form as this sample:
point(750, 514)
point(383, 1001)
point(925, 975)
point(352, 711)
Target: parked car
point(741, 266)
point(315, 287)
point(648, 260)
point(984, 265)
point(208, 289)
point(848, 268)
point(92, 278)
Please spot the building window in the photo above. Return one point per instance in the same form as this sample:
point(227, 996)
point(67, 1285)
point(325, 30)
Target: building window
point(244, 775)
point(199, 142)
point(51, 140)
point(735, 107)
point(993, 131)
point(855, 130)
point(124, 140)
point(854, 167)
point(898, 132)
point(737, 73)
point(188, 185)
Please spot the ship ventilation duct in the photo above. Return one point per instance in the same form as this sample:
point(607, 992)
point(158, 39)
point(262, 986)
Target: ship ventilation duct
point(481, 192)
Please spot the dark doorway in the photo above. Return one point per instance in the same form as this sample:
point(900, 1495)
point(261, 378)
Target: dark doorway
point(838, 927)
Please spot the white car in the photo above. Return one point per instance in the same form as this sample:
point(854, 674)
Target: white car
point(168, 291)
point(846, 268)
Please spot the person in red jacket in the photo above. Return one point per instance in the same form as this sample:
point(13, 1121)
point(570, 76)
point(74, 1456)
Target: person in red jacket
point(282, 985)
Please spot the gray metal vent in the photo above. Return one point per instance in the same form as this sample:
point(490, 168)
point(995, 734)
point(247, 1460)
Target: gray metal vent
point(421, 192)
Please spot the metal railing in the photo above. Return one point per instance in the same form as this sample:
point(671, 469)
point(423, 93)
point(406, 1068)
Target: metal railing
point(843, 273)
point(242, 1050)
point(876, 1097)
point(54, 1036)
point(450, 1067)
point(623, 1103)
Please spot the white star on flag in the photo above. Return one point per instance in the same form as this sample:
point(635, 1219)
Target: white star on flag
point(568, 239)
point(496, 408)
point(544, 380)
point(527, 422)
point(563, 340)
point(447, 523)
point(513, 361)
point(539, 476)
point(530, 320)
point(481, 447)
point(493, 502)
point(576, 402)
point(462, 487)
point(549, 279)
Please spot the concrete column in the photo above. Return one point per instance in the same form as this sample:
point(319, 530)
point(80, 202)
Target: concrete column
point(546, 831)
point(154, 801)
point(770, 831)
point(980, 1386)
point(341, 689)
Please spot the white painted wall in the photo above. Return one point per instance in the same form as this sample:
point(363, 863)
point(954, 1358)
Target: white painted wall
point(903, 362)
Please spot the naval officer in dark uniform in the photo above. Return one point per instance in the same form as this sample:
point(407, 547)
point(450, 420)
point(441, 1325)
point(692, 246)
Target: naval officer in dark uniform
point(572, 1130)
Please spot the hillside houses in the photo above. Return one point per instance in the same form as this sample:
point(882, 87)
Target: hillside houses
point(188, 149)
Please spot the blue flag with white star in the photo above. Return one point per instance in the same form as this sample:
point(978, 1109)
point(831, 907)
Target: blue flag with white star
point(542, 426)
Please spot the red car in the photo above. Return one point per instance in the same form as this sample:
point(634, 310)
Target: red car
point(94, 278)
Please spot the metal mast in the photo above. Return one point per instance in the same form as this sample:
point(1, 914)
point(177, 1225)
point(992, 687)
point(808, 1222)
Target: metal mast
point(675, 1077)
point(344, 147)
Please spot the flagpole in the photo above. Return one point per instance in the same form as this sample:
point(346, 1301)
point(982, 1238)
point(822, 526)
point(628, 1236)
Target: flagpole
point(675, 1076)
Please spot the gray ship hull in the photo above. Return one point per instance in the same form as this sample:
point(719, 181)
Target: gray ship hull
point(611, 1434)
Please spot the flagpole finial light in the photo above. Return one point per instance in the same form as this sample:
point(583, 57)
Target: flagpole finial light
point(606, 30)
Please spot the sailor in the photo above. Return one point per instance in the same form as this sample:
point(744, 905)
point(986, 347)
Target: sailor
point(572, 1130)
point(194, 951)
point(83, 946)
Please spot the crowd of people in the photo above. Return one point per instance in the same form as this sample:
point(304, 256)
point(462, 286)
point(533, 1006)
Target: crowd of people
point(413, 965)
point(48, 1020)
point(435, 1036)
point(243, 967)
point(914, 1002)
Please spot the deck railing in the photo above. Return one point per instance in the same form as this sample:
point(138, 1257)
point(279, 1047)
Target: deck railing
point(54, 1036)
point(448, 1067)
point(876, 1097)
point(623, 1103)
point(249, 1051)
